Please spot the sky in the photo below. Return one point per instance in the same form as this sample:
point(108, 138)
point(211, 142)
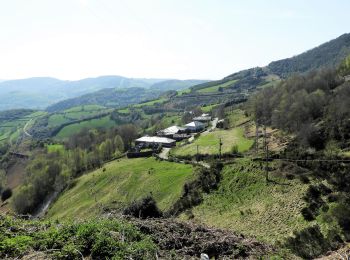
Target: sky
point(184, 39)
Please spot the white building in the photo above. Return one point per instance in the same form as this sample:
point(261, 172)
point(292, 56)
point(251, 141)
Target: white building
point(205, 118)
point(195, 126)
point(166, 142)
point(170, 131)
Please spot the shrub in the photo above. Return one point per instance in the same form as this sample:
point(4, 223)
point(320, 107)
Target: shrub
point(304, 179)
point(98, 239)
point(15, 246)
point(308, 243)
point(307, 214)
point(6, 194)
point(145, 208)
point(234, 149)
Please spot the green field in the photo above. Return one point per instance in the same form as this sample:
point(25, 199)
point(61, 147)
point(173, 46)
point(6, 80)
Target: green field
point(245, 204)
point(122, 182)
point(124, 111)
point(236, 118)
point(166, 121)
point(10, 129)
point(184, 91)
point(208, 143)
point(104, 122)
point(208, 108)
point(151, 103)
point(85, 108)
point(75, 113)
point(55, 148)
point(216, 88)
point(57, 119)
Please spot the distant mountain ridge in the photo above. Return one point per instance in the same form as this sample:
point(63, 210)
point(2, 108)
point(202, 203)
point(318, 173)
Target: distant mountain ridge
point(40, 92)
point(326, 55)
point(109, 97)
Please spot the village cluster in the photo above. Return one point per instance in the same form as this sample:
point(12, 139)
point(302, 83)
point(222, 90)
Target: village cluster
point(168, 137)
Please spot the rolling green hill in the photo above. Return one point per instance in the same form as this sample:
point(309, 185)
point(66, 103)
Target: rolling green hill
point(122, 182)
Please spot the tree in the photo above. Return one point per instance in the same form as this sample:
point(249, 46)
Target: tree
point(118, 144)
point(128, 133)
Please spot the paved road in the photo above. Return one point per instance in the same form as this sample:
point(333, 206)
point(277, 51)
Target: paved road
point(25, 128)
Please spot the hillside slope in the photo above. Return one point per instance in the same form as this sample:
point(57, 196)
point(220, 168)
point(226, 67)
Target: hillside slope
point(122, 182)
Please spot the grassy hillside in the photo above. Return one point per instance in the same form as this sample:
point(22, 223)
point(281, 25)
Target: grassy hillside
point(75, 113)
point(244, 203)
point(215, 88)
point(104, 122)
point(13, 121)
point(122, 182)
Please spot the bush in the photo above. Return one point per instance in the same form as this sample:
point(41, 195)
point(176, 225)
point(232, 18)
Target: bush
point(234, 149)
point(145, 208)
point(307, 214)
point(308, 243)
point(98, 239)
point(15, 246)
point(6, 194)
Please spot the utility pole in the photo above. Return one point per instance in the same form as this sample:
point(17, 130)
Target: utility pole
point(256, 138)
point(197, 157)
point(220, 145)
point(266, 148)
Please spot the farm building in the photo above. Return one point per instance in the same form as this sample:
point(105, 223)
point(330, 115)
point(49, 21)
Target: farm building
point(166, 142)
point(170, 131)
point(195, 126)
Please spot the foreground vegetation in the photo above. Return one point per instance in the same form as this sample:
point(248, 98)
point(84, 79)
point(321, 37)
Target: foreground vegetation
point(98, 239)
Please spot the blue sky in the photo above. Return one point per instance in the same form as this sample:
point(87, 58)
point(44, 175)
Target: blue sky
point(204, 39)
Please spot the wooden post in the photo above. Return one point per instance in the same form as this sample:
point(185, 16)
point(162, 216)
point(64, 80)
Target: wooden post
point(220, 144)
point(256, 138)
point(197, 153)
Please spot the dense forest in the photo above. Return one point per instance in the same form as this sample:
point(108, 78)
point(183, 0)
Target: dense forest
point(315, 108)
point(327, 55)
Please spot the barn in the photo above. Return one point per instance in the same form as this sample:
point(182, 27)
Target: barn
point(164, 141)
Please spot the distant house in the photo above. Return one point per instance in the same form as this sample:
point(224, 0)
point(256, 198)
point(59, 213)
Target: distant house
point(204, 118)
point(195, 126)
point(166, 142)
point(171, 131)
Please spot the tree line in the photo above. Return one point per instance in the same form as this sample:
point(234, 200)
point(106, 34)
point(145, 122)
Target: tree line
point(51, 172)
